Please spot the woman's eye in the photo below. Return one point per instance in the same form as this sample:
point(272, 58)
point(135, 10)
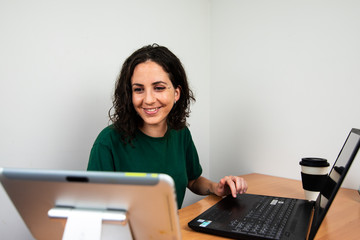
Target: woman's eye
point(138, 90)
point(159, 88)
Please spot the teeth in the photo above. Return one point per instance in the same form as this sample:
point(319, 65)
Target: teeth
point(151, 109)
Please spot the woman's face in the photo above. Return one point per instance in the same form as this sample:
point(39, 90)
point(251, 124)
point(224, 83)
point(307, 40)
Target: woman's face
point(153, 94)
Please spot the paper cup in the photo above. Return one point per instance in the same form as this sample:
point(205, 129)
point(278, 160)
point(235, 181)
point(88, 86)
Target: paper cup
point(313, 176)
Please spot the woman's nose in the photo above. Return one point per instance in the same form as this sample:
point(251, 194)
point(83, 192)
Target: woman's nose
point(149, 97)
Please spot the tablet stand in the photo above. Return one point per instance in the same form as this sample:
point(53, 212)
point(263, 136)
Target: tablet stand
point(93, 224)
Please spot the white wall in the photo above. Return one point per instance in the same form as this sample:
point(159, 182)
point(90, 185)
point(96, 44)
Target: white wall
point(284, 84)
point(58, 65)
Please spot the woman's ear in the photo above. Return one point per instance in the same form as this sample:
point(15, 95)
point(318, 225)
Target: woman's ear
point(177, 94)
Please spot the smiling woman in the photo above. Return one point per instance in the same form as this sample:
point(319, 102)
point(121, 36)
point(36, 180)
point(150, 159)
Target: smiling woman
point(153, 97)
point(149, 131)
point(166, 72)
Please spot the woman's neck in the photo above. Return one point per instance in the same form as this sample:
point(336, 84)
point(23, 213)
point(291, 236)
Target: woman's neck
point(154, 130)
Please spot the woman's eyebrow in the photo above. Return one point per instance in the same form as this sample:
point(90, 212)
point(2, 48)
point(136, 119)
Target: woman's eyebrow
point(160, 82)
point(154, 83)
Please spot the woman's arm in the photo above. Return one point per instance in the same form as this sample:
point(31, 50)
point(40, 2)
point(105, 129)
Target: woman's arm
point(227, 185)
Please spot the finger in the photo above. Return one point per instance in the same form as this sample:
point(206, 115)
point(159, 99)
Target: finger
point(222, 181)
point(220, 189)
point(241, 185)
point(231, 184)
point(245, 186)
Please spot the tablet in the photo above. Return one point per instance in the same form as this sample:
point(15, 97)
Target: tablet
point(44, 199)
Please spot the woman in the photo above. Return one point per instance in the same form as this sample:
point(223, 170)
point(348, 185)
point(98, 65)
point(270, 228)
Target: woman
point(149, 131)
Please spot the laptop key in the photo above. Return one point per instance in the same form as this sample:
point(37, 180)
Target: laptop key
point(268, 220)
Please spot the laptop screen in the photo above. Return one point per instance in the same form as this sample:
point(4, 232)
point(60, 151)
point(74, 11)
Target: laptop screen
point(335, 179)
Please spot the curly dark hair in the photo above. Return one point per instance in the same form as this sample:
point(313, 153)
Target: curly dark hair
point(125, 118)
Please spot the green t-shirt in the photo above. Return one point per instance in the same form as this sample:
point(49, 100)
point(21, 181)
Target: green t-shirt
point(174, 154)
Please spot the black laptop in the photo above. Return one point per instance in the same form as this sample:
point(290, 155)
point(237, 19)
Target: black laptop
point(250, 216)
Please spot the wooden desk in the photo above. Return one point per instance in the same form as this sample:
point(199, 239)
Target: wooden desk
point(341, 222)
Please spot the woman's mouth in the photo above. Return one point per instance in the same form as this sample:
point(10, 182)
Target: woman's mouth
point(151, 111)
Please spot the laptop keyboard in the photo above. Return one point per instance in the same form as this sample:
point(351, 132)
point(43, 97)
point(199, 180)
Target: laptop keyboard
point(267, 219)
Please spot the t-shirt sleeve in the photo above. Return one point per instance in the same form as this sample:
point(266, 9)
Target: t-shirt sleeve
point(193, 167)
point(101, 158)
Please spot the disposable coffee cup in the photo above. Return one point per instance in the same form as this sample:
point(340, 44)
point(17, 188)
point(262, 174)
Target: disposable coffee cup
point(313, 175)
